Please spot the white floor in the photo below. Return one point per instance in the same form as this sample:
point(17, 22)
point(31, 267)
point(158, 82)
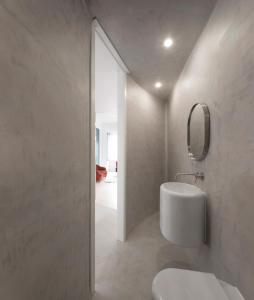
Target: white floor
point(106, 191)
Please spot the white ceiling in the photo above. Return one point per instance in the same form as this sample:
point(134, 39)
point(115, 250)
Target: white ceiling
point(137, 29)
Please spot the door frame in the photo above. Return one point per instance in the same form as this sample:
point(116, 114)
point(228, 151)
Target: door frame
point(121, 116)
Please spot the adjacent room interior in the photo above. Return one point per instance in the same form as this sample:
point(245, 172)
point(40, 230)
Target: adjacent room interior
point(109, 109)
point(106, 148)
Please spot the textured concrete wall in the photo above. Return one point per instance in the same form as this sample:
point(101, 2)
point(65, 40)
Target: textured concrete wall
point(220, 73)
point(145, 153)
point(44, 150)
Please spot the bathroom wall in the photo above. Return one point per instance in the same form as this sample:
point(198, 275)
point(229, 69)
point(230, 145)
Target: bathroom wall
point(44, 150)
point(145, 153)
point(220, 72)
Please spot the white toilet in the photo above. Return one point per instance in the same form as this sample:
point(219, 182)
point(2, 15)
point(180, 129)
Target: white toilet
point(182, 221)
point(176, 284)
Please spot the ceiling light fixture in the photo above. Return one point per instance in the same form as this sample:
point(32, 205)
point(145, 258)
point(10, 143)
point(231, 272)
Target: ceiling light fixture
point(168, 42)
point(158, 85)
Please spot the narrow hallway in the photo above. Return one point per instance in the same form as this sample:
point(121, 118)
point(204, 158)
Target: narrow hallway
point(127, 147)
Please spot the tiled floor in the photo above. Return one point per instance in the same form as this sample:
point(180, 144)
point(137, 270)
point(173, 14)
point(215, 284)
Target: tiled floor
point(125, 271)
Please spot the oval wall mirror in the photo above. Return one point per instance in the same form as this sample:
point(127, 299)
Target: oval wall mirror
point(198, 136)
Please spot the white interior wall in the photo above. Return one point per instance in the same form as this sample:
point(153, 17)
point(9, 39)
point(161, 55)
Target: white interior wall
point(105, 80)
point(106, 88)
point(112, 147)
point(103, 147)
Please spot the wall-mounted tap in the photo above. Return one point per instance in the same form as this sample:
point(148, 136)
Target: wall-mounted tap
point(197, 175)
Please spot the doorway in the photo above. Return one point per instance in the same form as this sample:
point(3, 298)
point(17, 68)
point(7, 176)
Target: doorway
point(108, 135)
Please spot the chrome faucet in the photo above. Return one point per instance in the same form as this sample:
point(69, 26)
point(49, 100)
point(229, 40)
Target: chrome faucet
point(197, 175)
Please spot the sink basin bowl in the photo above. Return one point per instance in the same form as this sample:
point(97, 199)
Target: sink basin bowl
point(182, 213)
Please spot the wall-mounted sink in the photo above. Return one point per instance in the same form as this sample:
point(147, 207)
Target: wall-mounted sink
point(182, 213)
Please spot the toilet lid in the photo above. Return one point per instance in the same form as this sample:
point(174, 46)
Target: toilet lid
point(176, 284)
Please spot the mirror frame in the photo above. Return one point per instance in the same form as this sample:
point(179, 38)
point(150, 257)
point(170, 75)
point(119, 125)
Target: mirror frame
point(207, 132)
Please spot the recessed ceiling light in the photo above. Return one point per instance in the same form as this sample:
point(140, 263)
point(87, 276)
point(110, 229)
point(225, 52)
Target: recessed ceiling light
point(158, 85)
point(168, 42)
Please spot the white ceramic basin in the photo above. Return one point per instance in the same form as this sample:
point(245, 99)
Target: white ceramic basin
point(182, 213)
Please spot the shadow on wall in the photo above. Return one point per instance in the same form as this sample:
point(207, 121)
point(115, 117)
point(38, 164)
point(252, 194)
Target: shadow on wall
point(145, 153)
point(174, 257)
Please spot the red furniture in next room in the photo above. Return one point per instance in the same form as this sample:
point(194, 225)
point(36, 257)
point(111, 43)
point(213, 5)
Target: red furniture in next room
point(101, 173)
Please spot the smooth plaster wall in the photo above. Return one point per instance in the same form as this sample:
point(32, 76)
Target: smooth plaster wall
point(145, 152)
point(220, 72)
point(44, 152)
